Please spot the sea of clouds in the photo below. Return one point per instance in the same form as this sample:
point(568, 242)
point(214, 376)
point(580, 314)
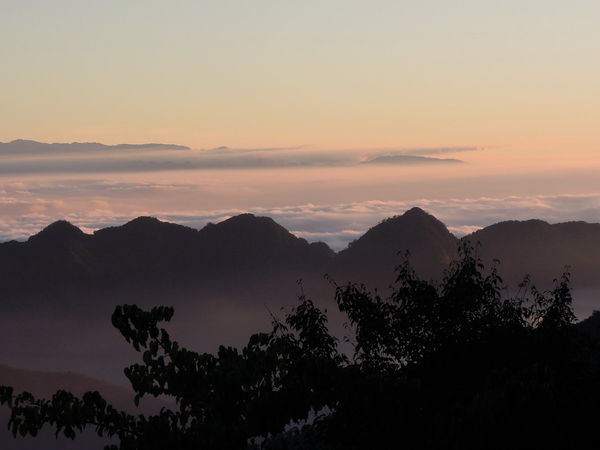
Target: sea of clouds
point(25, 210)
point(95, 186)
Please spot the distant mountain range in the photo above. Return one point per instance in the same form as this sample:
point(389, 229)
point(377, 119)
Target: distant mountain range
point(147, 250)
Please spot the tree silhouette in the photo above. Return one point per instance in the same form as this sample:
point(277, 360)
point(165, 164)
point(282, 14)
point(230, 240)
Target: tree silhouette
point(456, 365)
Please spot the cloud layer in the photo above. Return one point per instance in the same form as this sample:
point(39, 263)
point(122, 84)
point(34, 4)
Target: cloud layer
point(30, 157)
point(23, 211)
point(343, 194)
point(25, 147)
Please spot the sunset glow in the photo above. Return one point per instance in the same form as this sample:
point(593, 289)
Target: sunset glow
point(302, 94)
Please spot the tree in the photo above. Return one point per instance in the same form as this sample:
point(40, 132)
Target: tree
point(223, 400)
point(455, 365)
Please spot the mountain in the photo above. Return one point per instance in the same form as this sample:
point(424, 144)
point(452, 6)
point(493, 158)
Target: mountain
point(373, 256)
point(150, 251)
point(147, 250)
point(57, 254)
point(59, 231)
point(542, 250)
point(247, 241)
point(143, 249)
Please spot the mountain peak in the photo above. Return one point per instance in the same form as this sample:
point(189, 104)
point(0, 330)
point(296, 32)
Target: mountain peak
point(249, 231)
point(144, 228)
point(427, 240)
point(143, 221)
point(416, 212)
point(60, 230)
point(412, 220)
point(247, 222)
point(415, 223)
point(243, 216)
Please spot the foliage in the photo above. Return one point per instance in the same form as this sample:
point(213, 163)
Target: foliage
point(459, 365)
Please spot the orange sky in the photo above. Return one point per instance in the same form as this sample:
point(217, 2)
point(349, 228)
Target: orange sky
point(342, 74)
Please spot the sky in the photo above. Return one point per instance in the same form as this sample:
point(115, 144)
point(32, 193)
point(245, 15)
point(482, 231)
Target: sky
point(321, 105)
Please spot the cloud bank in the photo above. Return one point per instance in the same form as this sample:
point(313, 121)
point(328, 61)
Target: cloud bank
point(335, 205)
point(24, 157)
point(24, 212)
point(411, 160)
point(25, 147)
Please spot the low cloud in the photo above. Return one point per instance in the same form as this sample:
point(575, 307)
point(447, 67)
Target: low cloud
point(29, 157)
point(24, 147)
point(437, 151)
point(411, 160)
point(92, 201)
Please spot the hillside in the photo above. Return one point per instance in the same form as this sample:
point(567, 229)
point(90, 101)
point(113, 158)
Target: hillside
point(146, 250)
point(372, 257)
point(543, 250)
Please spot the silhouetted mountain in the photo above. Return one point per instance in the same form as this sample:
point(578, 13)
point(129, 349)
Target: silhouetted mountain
point(148, 250)
point(56, 255)
point(246, 240)
point(372, 257)
point(542, 250)
point(144, 248)
point(58, 232)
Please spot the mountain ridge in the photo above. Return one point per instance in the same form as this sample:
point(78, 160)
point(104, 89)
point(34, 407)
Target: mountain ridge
point(154, 221)
point(148, 249)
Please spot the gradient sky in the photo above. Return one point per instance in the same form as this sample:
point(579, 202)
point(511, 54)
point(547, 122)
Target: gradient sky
point(335, 74)
point(518, 82)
